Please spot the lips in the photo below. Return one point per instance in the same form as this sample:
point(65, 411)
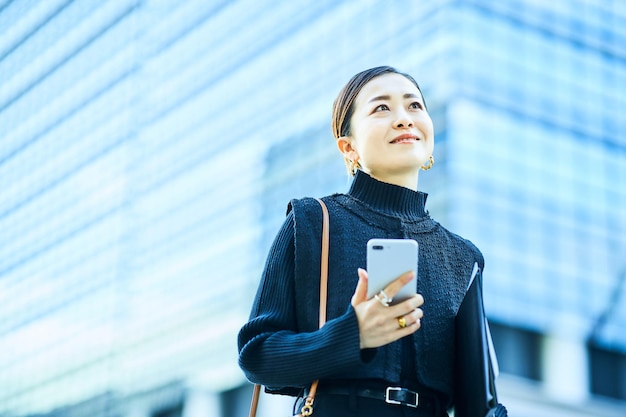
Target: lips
point(406, 138)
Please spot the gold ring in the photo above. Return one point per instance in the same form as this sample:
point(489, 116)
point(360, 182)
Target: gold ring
point(402, 322)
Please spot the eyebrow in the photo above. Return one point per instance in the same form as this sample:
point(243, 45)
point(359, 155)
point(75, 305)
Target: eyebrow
point(380, 98)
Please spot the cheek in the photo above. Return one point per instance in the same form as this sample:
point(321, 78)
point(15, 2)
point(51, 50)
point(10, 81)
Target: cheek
point(428, 129)
point(427, 125)
point(431, 147)
point(358, 147)
point(367, 138)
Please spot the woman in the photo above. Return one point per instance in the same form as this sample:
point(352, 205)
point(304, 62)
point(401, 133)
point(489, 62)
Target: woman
point(386, 136)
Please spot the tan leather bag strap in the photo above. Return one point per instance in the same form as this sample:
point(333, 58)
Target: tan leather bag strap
point(255, 400)
point(307, 408)
point(324, 265)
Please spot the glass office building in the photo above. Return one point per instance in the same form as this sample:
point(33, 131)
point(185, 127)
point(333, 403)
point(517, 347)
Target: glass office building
point(148, 150)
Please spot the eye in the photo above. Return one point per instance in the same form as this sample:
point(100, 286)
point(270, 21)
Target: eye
point(381, 107)
point(416, 105)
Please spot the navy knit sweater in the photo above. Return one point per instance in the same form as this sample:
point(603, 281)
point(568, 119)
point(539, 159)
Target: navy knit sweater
point(281, 346)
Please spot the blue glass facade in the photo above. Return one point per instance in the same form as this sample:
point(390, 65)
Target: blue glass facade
point(148, 150)
point(537, 114)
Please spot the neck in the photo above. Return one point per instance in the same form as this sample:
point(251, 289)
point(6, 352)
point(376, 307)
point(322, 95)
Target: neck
point(392, 199)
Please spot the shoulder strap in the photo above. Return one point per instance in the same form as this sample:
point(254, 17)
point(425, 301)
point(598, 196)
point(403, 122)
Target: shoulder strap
point(307, 408)
point(324, 265)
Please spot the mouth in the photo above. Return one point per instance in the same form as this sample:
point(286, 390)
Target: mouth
point(406, 138)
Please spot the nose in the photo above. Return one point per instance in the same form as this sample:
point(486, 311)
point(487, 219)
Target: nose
point(403, 120)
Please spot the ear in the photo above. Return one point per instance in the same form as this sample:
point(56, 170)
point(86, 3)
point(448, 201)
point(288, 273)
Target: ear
point(344, 144)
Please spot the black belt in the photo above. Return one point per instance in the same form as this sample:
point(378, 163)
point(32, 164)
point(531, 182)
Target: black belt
point(391, 395)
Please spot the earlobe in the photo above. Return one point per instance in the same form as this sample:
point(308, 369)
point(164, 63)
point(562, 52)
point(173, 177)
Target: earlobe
point(350, 155)
point(344, 144)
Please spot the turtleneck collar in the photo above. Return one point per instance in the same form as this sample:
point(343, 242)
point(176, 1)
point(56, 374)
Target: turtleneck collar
point(388, 198)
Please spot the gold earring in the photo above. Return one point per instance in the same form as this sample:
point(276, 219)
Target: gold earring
point(354, 166)
point(431, 162)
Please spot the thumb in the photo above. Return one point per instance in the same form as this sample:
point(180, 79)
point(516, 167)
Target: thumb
point(360, 293)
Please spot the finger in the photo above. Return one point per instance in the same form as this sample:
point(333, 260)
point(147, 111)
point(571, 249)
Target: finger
point(392, 289)
point(409, 307)
point(360, 293)
point(419, 300)
point(414, 326)
point(415, 316)
point(413, 303)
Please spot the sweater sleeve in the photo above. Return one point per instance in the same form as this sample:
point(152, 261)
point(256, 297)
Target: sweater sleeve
point(271, 350)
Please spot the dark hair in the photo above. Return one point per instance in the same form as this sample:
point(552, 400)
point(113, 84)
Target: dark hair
point(343, 107)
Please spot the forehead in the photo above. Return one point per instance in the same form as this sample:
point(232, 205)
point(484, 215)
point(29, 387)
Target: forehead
point(392, 85)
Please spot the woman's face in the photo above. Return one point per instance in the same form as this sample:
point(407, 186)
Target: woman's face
point(391, 132)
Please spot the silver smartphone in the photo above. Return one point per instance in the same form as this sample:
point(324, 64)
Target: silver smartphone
point(387, 259)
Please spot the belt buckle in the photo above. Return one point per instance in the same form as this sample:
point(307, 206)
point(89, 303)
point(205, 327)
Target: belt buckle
point(400, 389)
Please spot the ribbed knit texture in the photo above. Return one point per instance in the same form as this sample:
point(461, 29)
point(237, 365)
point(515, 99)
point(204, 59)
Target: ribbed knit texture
point(281, 346)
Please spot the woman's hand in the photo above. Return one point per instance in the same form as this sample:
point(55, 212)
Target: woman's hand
point(380, 325)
